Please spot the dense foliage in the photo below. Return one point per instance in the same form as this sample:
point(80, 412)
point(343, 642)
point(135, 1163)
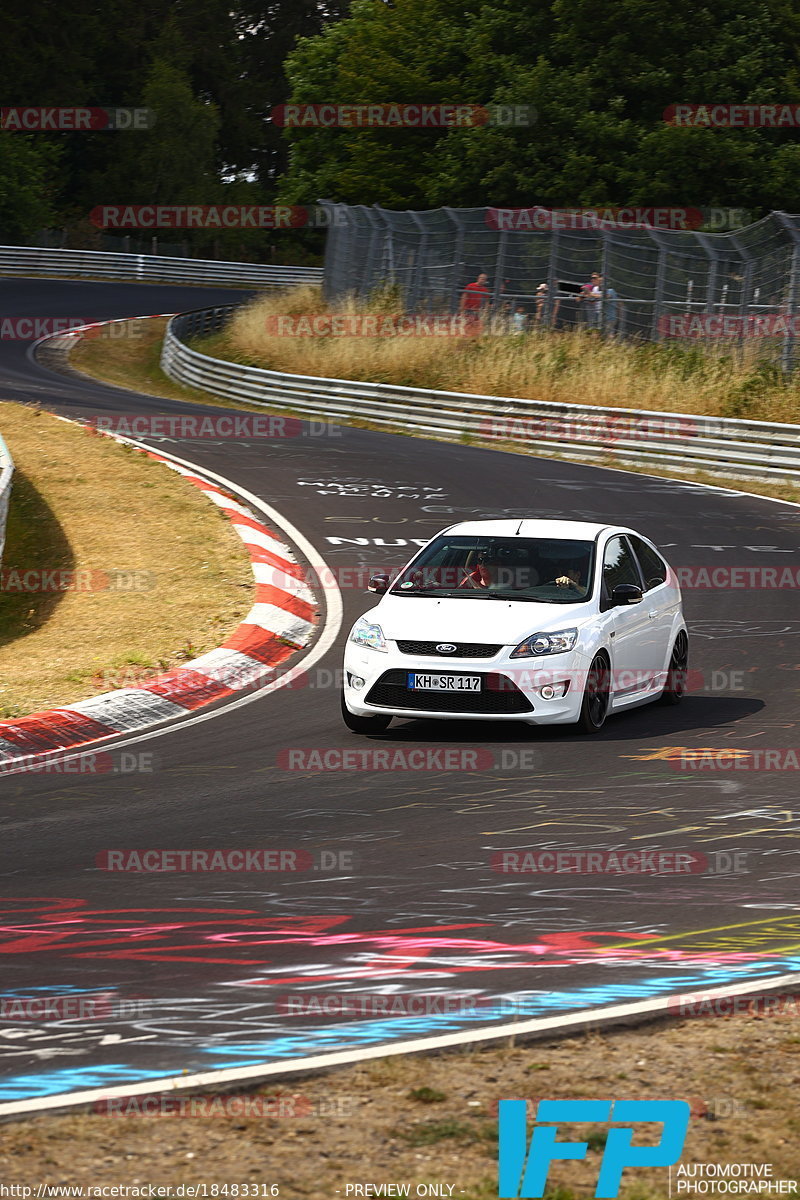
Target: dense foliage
point(599, 78)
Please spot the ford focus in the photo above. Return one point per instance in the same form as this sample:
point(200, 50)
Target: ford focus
point(544, 622)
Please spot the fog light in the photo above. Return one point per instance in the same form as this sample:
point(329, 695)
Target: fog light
point(547, 692)
point(356, 681)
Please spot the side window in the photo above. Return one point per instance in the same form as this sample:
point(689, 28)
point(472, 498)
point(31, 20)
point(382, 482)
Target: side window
point(654, 569)
point(619, 565)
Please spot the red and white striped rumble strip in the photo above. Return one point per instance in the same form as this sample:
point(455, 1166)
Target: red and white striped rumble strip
point(280, 622)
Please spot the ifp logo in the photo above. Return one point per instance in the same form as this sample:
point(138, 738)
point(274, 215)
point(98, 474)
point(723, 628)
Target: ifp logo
point(523, 1171)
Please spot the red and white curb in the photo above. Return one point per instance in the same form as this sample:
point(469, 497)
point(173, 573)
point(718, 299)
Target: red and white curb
point(280, 623)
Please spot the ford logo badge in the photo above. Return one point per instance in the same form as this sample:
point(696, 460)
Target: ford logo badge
point(445, 647)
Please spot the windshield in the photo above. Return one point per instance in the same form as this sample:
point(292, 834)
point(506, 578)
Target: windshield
point(547, 570)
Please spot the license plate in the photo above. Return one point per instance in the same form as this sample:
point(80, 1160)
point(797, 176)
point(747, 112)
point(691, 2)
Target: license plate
point(443, 683)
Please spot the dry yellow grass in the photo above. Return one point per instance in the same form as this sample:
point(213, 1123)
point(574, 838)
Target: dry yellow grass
point(87, 504)
point(562, 366)
point(128, 354)
point(133, 362)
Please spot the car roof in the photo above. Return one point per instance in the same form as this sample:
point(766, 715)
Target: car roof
point(532, 527)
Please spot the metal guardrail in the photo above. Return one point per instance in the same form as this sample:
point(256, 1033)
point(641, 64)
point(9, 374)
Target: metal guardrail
point(35, 260)
point(6, 476)
point(754, 449)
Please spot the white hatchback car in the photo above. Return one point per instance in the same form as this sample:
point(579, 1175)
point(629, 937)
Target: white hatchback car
point(545, 622)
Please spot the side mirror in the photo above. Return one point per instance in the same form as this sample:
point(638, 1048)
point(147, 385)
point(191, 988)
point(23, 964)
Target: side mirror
point(626, 593)
point(378, 584)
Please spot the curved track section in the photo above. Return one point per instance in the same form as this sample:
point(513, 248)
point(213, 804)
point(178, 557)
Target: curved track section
point(399, 896)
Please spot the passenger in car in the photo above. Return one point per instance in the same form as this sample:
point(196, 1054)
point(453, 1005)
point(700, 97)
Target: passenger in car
point(482, 570)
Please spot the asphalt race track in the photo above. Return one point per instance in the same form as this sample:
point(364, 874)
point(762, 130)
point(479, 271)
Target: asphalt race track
point(203, 971)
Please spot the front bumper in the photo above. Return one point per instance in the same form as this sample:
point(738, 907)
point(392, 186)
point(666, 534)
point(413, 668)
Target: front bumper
point(511, 690)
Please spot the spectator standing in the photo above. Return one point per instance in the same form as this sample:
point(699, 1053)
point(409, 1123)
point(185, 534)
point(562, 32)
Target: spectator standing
point(475, 299)
point(519, 321)
point(542, 314)
point(589, 299)
point(607, 307)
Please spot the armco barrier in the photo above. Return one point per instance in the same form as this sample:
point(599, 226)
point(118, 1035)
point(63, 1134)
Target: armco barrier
point(6, 475)
point(151, 268)
point(752, 449)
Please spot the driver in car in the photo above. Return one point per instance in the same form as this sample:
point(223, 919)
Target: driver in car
point(570, 577)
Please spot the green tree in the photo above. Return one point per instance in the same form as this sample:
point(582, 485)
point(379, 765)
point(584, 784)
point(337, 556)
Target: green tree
point(413, 52)
point(600, 80)
point(174, 162)
point(268, 31)
point(26, 188)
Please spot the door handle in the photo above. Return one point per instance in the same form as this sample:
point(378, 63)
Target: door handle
point(651, 616)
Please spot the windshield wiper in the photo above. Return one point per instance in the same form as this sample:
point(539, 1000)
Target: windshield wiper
point(427, 592)
point(537, 599)
point(512, 596)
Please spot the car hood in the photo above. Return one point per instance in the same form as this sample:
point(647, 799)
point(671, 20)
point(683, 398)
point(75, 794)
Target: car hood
point(504, 622)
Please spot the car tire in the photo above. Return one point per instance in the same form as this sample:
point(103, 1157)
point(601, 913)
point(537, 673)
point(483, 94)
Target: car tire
point(675, 685)
point(377, 724)
point(596, 696)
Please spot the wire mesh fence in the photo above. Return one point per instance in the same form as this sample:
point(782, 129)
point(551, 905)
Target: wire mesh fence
point(523, 268)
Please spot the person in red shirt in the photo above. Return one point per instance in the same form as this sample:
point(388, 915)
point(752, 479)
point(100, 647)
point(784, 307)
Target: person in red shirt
point(475, 299)
point(485, 572)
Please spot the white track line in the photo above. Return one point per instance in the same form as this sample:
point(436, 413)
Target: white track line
point(595, 1018)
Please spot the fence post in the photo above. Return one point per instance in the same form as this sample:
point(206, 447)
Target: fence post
point(422, 246)
point(747, 288)
point(607, 234)
point(499, 281)
point(658, 290)
point(793, 298)
point(455, 290)
point(370, 277)
point(551, 307)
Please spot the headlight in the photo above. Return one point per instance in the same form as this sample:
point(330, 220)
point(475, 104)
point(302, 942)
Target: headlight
point(537, 644)
point(371, 636)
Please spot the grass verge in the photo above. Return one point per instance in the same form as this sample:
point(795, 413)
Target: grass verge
point(163, 575)
point(377, 1122)
point(132, 361)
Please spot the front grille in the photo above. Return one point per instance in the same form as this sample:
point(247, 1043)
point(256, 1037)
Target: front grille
point(462, 649)
point(498, 696)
